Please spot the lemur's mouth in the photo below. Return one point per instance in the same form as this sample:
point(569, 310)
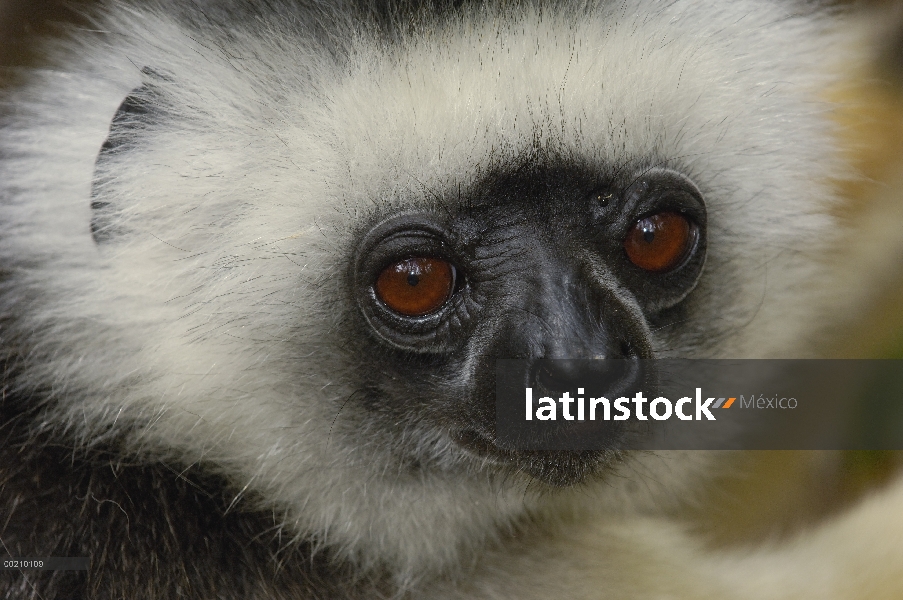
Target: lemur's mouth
point(557, 468)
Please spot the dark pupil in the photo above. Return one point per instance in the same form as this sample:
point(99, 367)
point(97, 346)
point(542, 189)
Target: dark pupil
point(648, 235)
point(413, 279)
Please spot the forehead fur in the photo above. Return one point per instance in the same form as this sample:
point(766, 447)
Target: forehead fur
point(620, 85)
point(677, 84)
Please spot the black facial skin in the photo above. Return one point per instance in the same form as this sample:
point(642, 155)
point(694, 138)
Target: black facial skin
point(541, 272)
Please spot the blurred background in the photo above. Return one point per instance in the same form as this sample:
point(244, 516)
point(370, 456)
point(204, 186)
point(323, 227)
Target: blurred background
point(765, 495)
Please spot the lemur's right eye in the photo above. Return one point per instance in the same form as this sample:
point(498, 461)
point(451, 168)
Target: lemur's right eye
point(660, 242)
point(417, 286)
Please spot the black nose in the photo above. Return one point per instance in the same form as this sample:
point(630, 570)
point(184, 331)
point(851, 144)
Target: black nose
point(607, 376)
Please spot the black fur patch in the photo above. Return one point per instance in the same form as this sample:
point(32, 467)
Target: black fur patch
point(151, 530)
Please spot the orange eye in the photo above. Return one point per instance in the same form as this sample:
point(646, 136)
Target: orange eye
point(660, 242)
point(417, 286)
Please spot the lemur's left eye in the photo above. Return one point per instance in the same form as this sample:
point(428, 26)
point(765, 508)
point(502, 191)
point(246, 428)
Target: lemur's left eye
point(416, 286)
point(660, 242)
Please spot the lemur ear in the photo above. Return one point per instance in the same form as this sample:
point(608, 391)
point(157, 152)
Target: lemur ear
point(139, 111)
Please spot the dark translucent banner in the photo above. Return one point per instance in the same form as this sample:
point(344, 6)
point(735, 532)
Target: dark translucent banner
point(680, 404)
